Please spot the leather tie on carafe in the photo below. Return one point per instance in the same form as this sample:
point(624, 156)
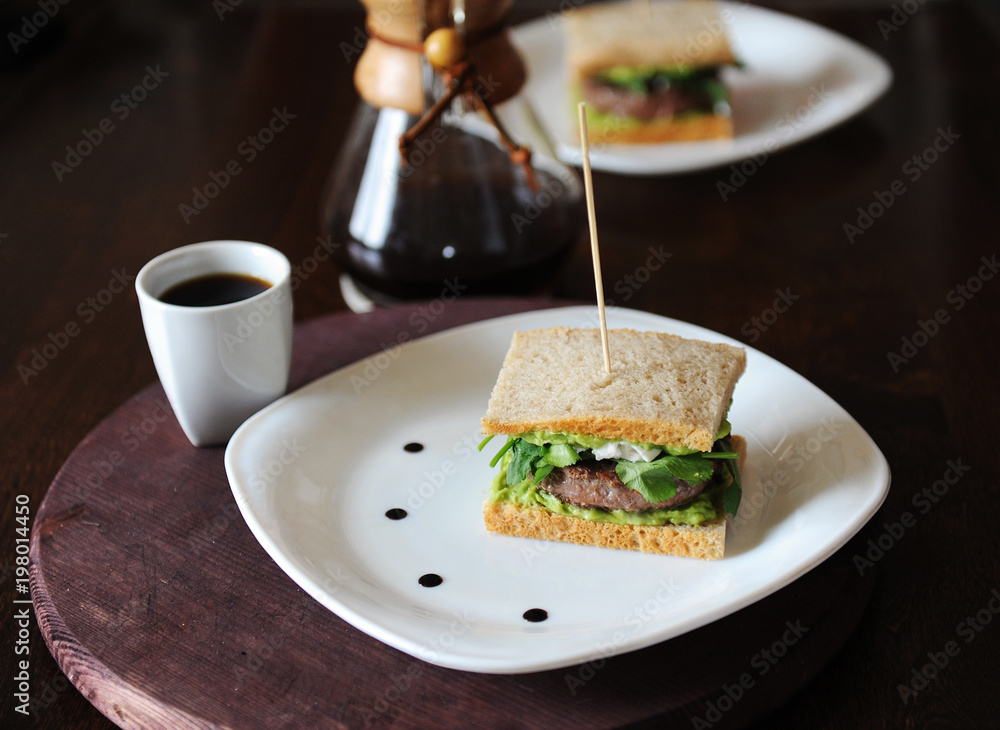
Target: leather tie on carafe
point(458, 76)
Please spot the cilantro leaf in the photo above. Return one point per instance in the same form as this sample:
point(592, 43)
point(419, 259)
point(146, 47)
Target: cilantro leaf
point(499, 455)
point(654, 481)
point(720, 455)
point(522, 462)
point(693, 468)
point(543, 471)
point(560, 455)
point(528, 458)
point(733, 495)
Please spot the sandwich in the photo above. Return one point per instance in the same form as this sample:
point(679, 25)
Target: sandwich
point(650, 72)
point(640, 458)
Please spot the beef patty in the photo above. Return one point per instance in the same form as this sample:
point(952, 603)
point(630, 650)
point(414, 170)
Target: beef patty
point(595, 483)
point(659, 102)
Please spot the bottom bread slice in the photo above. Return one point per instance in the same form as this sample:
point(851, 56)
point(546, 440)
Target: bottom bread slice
point(706, 541)
point(692, 128)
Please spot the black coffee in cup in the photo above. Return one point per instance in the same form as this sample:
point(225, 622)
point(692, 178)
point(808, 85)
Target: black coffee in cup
point(214, 289)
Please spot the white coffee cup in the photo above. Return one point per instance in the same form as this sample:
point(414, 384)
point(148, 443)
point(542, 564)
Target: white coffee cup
point(218, 364)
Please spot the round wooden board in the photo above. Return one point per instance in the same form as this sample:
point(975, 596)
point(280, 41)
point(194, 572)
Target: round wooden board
point(163, 610)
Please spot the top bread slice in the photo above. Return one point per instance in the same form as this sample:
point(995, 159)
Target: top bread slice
point(658, 34)
point(662, 389)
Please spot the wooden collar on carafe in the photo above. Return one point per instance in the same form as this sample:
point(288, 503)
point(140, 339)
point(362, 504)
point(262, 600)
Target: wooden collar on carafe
point(449, 55)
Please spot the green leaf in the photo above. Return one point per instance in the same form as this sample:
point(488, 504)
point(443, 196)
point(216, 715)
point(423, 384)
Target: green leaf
point(693, 469)
point(528, 458)
point(653, 480)
point(522, 461)
point(543, 471)
point(716, 91)
point(733, 495)
point(499, 455)
point(561, 455)
point(720, 455)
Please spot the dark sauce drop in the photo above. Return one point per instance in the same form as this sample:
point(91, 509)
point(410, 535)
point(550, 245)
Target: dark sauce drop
point(534, 615)
point(429, 580)
point(395, 513)
point(413, 447)
point(214, 289)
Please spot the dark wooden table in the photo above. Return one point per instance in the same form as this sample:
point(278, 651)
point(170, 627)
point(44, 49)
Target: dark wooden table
point(897, 324)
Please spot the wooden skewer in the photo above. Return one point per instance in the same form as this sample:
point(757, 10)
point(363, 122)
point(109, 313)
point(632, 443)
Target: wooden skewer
point(588, 184)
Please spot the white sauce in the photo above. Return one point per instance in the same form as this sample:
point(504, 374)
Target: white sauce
point(625, 450)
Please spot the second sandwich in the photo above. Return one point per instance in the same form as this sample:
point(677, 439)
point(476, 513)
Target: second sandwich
point(651, 72)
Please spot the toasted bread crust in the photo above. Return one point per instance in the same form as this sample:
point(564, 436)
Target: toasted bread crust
point(662, 389)
point(662, 34)
point(687, 128)
point(706, 541)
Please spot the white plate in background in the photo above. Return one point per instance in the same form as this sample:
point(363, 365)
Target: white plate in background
point(800, 80)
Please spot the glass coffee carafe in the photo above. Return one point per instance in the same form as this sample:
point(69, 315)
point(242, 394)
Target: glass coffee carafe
point(431, 194)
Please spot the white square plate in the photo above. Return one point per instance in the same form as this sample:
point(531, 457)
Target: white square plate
point(315, 473)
